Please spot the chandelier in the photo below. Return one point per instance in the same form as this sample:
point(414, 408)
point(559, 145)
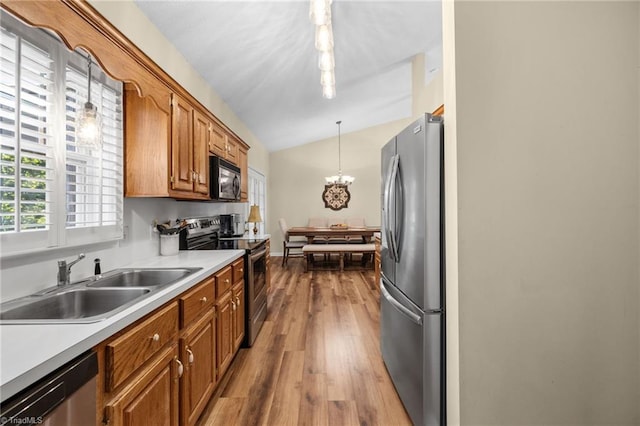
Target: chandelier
point(320, 15)
point(339, 179)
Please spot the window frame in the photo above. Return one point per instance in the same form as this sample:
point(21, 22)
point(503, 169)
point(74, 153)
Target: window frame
point(58, 235)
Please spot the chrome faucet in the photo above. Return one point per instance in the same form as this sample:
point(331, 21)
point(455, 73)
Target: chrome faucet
point(64, 270)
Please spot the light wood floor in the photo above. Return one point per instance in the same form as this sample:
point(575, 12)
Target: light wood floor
point(317, 359)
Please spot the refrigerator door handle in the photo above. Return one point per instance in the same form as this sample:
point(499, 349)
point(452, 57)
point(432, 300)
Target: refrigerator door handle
point(413, 317)
point(393, 243)
point(387, 205)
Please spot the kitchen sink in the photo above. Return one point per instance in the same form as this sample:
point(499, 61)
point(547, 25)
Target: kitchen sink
point(93, 299)
point(142, 277)
point(73, 305)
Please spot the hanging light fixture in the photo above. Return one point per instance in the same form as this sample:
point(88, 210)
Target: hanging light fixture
point(339, 179)
point(89, 129)
point(320, 15)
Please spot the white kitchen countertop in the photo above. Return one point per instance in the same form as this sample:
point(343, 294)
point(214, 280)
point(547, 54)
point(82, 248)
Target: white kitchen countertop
point(30, 352)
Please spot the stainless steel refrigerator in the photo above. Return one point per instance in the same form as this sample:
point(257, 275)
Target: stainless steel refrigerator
point(412, 287)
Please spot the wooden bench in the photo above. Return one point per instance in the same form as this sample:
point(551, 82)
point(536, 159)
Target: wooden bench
point(340, 249)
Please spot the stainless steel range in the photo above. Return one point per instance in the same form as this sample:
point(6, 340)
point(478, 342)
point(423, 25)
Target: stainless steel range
point(202, 233)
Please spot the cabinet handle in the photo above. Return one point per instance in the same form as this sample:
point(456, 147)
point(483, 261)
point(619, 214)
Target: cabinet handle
point(238, 300)
point(241, 269)
point(233, 305)
point(190, 356)
point(180, 368)
point(204, 299)
point(226, 281)
point(155, 337)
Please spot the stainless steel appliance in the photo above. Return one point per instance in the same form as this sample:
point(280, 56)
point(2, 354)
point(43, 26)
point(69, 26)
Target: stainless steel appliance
point(65, 397)
point(231, 225)
point(412, 316)
point(225, 180)
point(202, 233)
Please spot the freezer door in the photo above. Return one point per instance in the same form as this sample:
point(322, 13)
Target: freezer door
point(401, 340)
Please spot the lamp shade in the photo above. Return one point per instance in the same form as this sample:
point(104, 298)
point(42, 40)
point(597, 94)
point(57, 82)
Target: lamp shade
point(254, 214)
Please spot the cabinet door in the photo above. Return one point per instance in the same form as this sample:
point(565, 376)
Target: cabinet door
point(147, 128)
point(268, 266)
point(198, 355)
point(224, 334)
point(152, 397)
point(243, 163)
point(238, 314)
point(181, 145)
point(218, 142)
point(201, 137)
point(232, 150)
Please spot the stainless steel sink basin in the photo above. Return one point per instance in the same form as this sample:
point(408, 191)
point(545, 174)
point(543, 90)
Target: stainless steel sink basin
point(90, 300)
point(157, 277)
point(73, 305)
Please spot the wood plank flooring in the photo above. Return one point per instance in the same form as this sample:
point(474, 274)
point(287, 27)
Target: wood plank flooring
point(317, 359)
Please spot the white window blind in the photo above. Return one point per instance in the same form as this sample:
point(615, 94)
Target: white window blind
point(25, 150)
point(54, 193)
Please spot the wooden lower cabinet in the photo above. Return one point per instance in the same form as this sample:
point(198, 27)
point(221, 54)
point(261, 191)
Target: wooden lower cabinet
point(151, 398)
point(163, 369)
point(198, 355)
point(237, 294)
point(225, 341)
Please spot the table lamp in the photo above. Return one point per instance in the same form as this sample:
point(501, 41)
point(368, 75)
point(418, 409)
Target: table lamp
point(254, 216)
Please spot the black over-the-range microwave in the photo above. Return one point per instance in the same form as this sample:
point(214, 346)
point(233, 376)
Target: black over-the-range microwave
point(225, 180)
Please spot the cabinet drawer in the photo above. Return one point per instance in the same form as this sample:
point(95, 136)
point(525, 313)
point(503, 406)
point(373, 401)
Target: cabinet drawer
point(132, 349)
point(223, 281)
point(196, 300)
point(238, 270)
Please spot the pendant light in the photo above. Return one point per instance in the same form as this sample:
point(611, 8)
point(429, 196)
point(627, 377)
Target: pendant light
point(339, 179)
point(89, 129)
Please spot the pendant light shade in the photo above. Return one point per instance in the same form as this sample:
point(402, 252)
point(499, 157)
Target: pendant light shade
point(89, 121)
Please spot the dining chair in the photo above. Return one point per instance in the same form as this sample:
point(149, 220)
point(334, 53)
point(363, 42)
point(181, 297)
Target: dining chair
point(288, 245)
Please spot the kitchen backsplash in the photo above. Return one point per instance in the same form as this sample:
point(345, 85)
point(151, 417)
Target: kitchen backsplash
point(27, 274)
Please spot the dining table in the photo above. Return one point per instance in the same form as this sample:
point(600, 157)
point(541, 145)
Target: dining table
point(365, 233)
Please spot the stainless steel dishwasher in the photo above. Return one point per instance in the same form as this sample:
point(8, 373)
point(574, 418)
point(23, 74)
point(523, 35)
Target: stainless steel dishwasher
point(66, 397)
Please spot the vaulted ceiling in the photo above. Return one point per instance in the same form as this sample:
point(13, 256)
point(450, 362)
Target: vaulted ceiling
point(259, 56)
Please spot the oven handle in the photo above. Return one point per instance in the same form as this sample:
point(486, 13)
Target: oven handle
point(259, 254)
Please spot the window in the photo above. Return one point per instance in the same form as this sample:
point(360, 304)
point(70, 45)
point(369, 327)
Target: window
point(54, 193)
point(258, 195)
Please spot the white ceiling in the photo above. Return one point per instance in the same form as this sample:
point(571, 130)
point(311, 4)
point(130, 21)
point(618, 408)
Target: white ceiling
point(259, 56)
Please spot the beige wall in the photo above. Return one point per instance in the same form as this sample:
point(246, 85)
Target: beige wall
point(546, 145)
point(129, 19)
point(296, 178)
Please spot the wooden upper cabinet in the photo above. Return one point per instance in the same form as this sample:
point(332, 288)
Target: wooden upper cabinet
point(201, 139)
point(147, 134)
point(181, 145)
point(218, 143)
point(168, 132)
point(243, 163)
point(232, 150)
point(189, 151)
